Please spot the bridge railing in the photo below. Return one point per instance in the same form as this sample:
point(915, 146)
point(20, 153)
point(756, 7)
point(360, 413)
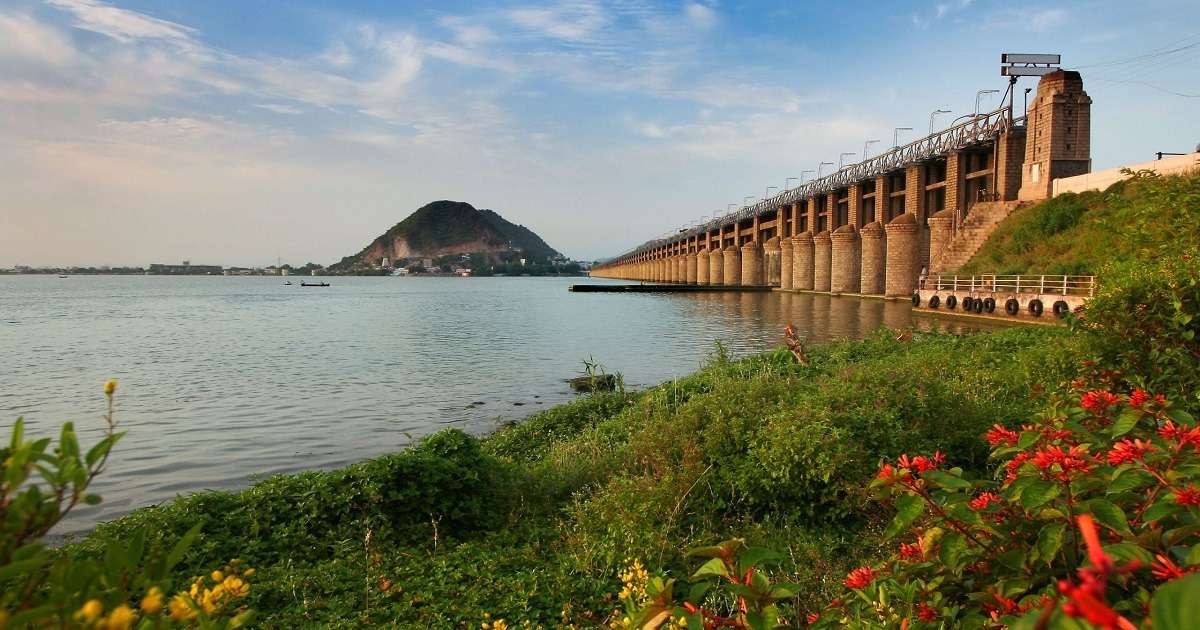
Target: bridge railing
point(975, 130)
point(1079, 286)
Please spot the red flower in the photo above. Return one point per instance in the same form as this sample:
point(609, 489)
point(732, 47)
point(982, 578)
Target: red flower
point(912, 551)
point(982, 501)
point(920, 463)
point(1164, 569)
point(1127, 451)
point(813, 618)
point(1188, 496)
point(1075, 459)
point(887, 471)
point(1086, 599)
point(1098, 401)
point(926, 612)
point(1015, 464)
point(860, 578)
point(1171, 431)
point(999, 435)
point(1138, 398)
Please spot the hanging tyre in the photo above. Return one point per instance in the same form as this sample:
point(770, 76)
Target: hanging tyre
point(935, 302)
point(989, 304)
point(1061, 308)
point(977, 305)
point(1012, 306)
point(1035, 307)
point(967, 302)
point(916, 299)
point(951, 302)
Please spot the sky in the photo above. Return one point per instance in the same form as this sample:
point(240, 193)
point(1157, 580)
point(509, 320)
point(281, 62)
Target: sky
point(241, 133)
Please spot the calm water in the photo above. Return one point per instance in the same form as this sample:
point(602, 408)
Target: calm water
point(228, 379)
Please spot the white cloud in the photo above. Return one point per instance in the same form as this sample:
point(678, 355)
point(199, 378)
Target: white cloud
point(700, 15)
point(26, 40)
point(280, 109)
point(572, 20)
point(121, 24)
point(1047, 19)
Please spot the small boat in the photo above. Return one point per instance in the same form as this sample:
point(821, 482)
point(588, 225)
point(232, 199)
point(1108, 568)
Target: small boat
point(314, 284)
point(288, 283)
point(62, 275)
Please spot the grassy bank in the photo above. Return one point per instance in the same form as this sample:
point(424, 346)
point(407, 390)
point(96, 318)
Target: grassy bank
point(1143, 217)
point(535, 521)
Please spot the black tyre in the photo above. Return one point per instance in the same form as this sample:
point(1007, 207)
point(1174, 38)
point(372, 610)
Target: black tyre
point(935, 302)
point(977, 305)
point(1061, 308)
point(967, 303)
point(1012, 306)
point(951, 302)
point(989, 304)
point(916, 299)
point(1035, 308)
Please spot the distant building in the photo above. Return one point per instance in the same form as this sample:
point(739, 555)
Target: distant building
point(185, 269)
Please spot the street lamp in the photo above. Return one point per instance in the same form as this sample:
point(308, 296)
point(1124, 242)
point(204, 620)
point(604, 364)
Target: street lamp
point(769, 189)
point(785, 182)
point(842, 159)
point(821, 166)
point(867, 145)
point(896, 135)
point(1027, 91)
point(978, 95)
point(934, 115)
point(803, 173)
point(746, 201)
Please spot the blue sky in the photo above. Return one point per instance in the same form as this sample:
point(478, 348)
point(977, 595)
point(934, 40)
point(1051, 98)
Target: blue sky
point(237, 132)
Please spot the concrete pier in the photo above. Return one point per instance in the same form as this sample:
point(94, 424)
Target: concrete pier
point(771, 264)
point(752, 265)
point(702, 268)
point(732, 271)
point(846, 261)
point(903, 245)
point(802, 261)
point(822, 258)
point(785, 263)
point(716, 266)
point(874, 258)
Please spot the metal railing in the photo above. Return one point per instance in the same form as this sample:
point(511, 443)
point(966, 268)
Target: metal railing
point(1079, 286)
point(975, 130)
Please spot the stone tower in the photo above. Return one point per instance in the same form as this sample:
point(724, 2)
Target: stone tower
point(1058, 141)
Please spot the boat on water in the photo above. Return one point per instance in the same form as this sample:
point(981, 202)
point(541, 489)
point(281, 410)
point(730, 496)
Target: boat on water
point(62, 275)
point(288, 283)
point(314, 284)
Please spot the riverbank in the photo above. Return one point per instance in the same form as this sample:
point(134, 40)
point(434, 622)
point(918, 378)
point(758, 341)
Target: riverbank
point(535, 521)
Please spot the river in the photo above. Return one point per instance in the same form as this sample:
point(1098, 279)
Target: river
point(227, 379)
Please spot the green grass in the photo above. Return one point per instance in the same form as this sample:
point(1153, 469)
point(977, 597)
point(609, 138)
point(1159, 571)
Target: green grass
point(542, 513)
point(1079, 234)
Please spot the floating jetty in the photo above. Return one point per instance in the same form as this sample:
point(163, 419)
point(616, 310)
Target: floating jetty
point(661, 288)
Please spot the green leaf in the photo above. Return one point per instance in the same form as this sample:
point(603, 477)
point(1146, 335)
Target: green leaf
point(1193, 557)
point(1127, 552)
point(908, 508)
point(714, 567)
point(1165, 507)
point(18, 434)
point(952, 547)
point(1125, 423)
point(1176, 604)
point(1129, 479)
point(785, 590)
point(1039, 493)
point(1109, 515)
point(1027, 439)
point(1181, 416)
point(1050, 540)
point(181, 547)
point(946, 480)
point(753, 556)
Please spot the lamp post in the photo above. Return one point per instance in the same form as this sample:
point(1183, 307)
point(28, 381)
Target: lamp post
point(821, 166)
point(746, 201)
point(934, 115)
point(979, 95)
point(896, 135)
point(785, 182)
point(803, 173)
point(867, 145)
point(842, 159)
point(1027, 91)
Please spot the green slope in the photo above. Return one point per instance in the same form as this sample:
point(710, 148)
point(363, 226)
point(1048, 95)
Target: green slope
point(1140, 218)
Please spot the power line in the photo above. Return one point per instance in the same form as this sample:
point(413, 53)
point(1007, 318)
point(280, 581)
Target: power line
point(1164, 50)
point(1149, 85)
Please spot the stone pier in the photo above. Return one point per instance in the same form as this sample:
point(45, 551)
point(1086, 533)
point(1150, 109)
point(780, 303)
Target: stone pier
point(874, 257)
point(702, 267)
point(822, 257)
point(903, 247)
point(732, 272)
point(802, 261)
point(752, 265)
point(716, 266)
point(771, 262)
point(785, 263)
point(846, 261)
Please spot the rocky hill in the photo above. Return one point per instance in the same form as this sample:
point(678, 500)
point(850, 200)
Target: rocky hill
point(445, 228)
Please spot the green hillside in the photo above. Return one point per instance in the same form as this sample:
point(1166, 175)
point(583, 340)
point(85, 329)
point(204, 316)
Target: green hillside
point(1144, 217)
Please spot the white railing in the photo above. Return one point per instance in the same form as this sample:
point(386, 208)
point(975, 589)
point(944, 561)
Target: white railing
point(1081, 286)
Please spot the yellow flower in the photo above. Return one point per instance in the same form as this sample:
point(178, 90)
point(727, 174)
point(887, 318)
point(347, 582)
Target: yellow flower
point(152, 603)
point(500, 625)
point(217, 576)
point(248, 573)
point(110, 386)
point(89, 612)
point(181, 608)
point(236, 587)
point(121, 618)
